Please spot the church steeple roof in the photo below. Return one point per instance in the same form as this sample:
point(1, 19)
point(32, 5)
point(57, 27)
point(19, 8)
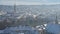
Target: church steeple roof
point(56, 21)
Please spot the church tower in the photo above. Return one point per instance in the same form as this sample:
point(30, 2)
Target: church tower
point(14, 7)
point(56, 20)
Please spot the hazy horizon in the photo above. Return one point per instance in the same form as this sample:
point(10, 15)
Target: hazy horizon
point(29, 2)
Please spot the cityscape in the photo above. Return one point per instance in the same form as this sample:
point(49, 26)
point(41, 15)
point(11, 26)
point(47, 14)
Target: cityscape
point(30, 19)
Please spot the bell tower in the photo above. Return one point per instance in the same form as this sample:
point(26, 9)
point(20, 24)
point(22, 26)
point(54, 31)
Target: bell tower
point(15, 6)
point(56, 19)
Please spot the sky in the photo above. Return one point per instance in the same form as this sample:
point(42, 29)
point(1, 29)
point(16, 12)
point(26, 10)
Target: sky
point(29, 2)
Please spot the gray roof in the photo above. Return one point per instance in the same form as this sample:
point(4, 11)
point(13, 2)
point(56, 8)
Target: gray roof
point(53, 28)
point(20, 28)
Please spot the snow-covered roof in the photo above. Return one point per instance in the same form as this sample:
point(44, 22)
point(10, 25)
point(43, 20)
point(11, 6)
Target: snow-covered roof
point(40, 27)
point(53, 28)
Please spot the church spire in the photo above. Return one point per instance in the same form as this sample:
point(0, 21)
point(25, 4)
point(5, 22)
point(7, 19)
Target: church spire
point(15, 7)
point(56, 21)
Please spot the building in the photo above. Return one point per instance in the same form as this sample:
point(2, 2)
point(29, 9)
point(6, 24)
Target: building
point(53, 28)
point(41, 29)
point(22, 29)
